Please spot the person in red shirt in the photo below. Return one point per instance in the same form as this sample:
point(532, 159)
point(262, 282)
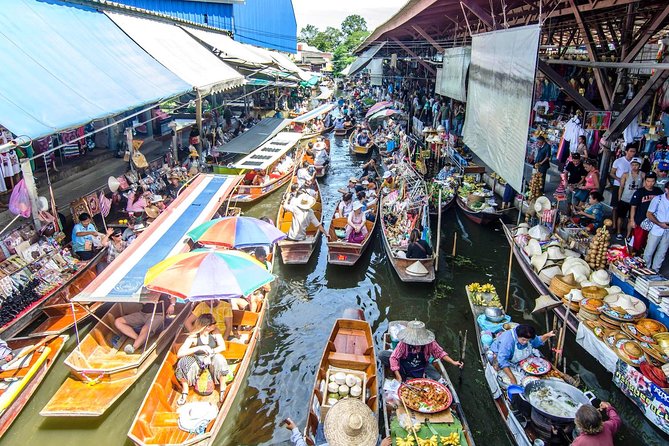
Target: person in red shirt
point(594, 432)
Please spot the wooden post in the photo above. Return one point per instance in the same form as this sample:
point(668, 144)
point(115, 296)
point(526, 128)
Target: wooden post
point(455, 243)
point(508, 280)
point(436, 260)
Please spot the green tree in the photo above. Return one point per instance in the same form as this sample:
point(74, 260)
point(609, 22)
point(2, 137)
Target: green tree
point(328, 40)
point(342, 55)
point(308, 33)
point(352, 24)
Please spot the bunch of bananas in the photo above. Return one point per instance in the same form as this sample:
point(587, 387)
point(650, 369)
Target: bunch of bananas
point(432, 441)
point(451, 440)
point(408, 441)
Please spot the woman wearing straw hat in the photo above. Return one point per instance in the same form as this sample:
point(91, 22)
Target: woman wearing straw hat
point(350, 422)
point(411, 358)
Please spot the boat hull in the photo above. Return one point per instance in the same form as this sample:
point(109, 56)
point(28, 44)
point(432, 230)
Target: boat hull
point(248, 194)
point(345, 253)
point(480, 218)
point(445, 206)
point(358, 149)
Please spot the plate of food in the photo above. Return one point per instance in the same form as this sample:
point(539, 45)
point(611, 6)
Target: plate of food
point(535, 366)
point(425, 395)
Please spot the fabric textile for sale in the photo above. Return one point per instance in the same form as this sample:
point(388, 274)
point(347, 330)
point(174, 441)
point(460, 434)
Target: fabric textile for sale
point(499, 100)
point(376, 71)
point(453, 73)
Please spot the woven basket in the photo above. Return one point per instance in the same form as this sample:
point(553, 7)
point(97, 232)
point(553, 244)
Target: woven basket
point(594, 292)
point(562, 285)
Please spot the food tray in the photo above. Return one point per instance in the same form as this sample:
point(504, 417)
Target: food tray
point(426, 382)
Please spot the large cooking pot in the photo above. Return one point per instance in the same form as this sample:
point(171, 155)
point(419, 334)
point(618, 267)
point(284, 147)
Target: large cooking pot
point(560, 388)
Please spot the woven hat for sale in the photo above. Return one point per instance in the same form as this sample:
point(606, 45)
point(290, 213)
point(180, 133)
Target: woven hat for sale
point(350, 423)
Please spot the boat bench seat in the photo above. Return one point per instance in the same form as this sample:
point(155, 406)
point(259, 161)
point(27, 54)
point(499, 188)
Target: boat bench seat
point(348, 360)
point(164, 419)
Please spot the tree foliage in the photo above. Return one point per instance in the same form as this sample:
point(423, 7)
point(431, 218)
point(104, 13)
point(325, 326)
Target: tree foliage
point(307, 34)
point(353, 23)
point(328, 40)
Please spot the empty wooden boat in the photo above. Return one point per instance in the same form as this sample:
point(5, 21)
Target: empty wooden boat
point(294, 252)
point(350, 350)
point(357, 148)
point(348, 126)
point(156, 423)
point(343, 252)
point(34, 358)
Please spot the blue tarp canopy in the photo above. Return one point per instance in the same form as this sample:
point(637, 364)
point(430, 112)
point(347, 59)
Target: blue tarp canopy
point(65, 65)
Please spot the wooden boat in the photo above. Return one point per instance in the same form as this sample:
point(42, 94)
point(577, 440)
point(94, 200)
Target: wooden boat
point(79, 280)
point(389, 411)
point(156, 420)
point(320, 169)
point(480, 217)
point(358, 149)
point(265, 158)
point(100, 371)
point(37, 357)
point(341, 252)
point(569, 317)
point(445, 205)
point(318, 133)
point(349, 347)
point(299, 252)
point(345, 130)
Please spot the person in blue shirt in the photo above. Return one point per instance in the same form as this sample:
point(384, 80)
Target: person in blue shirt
point(83, 234)
point(542, 159)
point(512, 346)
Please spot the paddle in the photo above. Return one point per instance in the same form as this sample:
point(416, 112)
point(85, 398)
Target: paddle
point(463, 350)
point(28, 351)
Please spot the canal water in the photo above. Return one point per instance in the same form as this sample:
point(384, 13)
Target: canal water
point(307, 300)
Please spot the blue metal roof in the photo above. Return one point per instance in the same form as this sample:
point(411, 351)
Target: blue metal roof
point(217, 15)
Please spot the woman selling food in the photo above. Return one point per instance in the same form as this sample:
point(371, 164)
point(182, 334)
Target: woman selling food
point(412, 356)
point(512, 346)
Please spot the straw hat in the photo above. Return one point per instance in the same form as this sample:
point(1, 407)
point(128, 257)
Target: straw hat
point(357, 205)
point(615, 289)
point(555, 253)
point(113, 184)
point(539, 260)
point(630, 304)
point(629, 351)
point(350, 423)
point(541, 204)
point(539, 232)
point(152, 211)
point(600, 277)
point(521, 231)
point(416, 269)
point(305, 202)
point(532, 248)
point(353, 180)
point(575, 295)
point(548, 272)
point(387, 174)
point(593, 292)
point(415, 333)
point(570, 253)
point(544, 302)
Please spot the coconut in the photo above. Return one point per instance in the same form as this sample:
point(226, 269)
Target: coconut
point(356, 391)
point(350, 380)
point(343, 389)
point(340, 378)
point(332, 378)
point(333, 388)
point(332, 401)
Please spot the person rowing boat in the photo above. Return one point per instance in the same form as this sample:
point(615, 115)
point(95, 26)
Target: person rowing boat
point(413, 356)
point(512, 346)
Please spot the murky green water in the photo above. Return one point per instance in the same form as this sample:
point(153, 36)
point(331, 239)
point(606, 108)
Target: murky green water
point(302, 310)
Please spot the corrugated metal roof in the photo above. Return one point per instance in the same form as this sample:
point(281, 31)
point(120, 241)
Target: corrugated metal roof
point(218, 15)
point(266, 23)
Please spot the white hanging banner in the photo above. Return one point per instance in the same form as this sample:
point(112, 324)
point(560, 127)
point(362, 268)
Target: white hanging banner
point(376, 71)
point(451, 83)
point(501, 82)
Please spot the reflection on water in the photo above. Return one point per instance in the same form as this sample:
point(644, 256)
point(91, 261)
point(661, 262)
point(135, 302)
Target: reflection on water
point(303, 306)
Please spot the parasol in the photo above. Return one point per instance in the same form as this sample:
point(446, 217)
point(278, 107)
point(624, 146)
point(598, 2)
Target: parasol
point(203, 274)
point(386, 113)
point(378, 106)
point(236, 232)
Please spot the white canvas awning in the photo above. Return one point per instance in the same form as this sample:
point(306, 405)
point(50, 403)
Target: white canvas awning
point(283, 61)
point(230, 50)
point(269, 152)
point(180, 53)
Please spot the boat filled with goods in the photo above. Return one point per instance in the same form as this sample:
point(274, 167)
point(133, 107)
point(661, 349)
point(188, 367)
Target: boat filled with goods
point(477, 201)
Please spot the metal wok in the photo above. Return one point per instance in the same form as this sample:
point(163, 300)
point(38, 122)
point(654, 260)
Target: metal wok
point(560, 387)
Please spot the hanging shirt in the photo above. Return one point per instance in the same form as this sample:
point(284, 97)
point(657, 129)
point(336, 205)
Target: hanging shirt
point(572, 130)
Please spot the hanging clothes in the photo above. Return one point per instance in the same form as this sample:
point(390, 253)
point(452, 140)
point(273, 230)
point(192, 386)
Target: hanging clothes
point(572, 130)
point(633, 131)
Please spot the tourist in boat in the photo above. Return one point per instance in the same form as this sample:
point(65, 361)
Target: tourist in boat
point(202, 351)
point(345, 205)
point(147, 321)
point(356, 230)
point(306, 175)
point(115, 245)
point(363, 138)
point(369, 172)
point(592, 430)
point(321, 157)
point(389, 184)
point(514, 345)
point(370, 192)
point(219, 309)
point(174, 186)
point(593, 214)
point(339, 123)
point(137, 200)
point(284, 165)
point(303, 217)
point(415, 354)
point(84, 234)
point(417, 247)
point(260, 178)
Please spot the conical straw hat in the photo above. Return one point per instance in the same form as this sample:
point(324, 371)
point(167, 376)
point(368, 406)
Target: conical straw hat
point(416, 269)
point(545, 302)
point(415, 333)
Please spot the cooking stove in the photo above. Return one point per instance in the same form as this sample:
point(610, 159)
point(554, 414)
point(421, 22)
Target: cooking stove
point(544, 425)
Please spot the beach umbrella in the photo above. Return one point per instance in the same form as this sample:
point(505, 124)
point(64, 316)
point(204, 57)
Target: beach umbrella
point(384, 114)
point(236, 232)
point(378, 106)
point(203, 274)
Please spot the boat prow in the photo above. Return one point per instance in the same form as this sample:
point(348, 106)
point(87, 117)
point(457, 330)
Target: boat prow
point(342, 252)
point(357, 148)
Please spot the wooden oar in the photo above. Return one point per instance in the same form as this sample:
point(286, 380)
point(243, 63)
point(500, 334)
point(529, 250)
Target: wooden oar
point(463, 350)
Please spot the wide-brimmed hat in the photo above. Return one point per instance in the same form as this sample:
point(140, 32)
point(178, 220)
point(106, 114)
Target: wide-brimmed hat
point(632, 305)
point(350, 423)
point(532, 248)
point(541, 204)
point(539, 260)
point(555, 253)
point(415, 333)
point(539, 232)
point(387, 174)
point(357, 205)
point(152, 211)
point(305, 201)
point(600, 277)
point(353, 180)
point(575, 295)
point(545, 302)
point(416, 269)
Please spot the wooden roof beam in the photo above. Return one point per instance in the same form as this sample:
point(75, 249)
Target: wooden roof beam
point(427, 37)
point(570, 91)
point(427, 66)
point(482, 15)
point(647, 34)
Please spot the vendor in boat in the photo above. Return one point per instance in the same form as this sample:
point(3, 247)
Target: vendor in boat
point(592, 430)
point(148, 320)
point(417, 247)
point(512, 346)
point(219, 309)
point(202, 351)
point(356, 230)
point(389, 184)
point(345, 205)
point(303, 217)
point(113, 241)
point(415, 353)
point(83, 235)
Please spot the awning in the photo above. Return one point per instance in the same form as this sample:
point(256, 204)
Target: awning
point(65, 65)
point(316, 112)
point(230, 50)
point(122, 280)
point(347, 70)
point(180, 53)
point(326, 93)
point(269, 152)
point(313, 80)
point(362, 61)
point(254, 137)
point(288, 65)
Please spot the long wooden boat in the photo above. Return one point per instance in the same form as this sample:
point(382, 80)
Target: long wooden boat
point(21, 383)
point(357, 148)
point(299, 252)
point(445, 205)
point(389, 411)
point(349, 347)
point(265, 158)
point(321, 170)
point(318, 133)
point(345, 130)
point(100, 371)
point(342, 252)
point(542, 289)
point(156, 422)
point(30, 314)
point(479, 217)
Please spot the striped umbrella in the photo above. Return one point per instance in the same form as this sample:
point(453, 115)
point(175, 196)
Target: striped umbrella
point(236, 232)
point(204, 274)
point(378, 106)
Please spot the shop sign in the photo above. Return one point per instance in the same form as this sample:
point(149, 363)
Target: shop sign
point(651, 399)
point(597, 120)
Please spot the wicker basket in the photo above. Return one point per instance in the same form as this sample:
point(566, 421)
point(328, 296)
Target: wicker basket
point(594, 292)
point(562, 285)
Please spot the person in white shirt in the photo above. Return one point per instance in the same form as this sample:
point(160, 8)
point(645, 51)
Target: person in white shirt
point(658, 238)
point(303, 217)
point(620, 167)
point(305, 175)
